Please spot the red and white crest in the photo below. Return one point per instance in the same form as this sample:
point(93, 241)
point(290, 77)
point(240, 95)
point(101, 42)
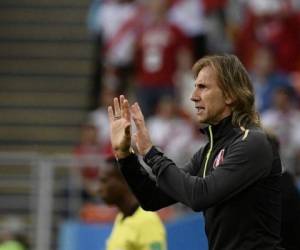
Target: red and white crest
point(219, 159)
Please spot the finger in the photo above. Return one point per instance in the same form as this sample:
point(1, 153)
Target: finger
point(110, 114)
point(139, 110)
point(126, 110)
point(122, 98)
point(117, 107)
point(137, 116)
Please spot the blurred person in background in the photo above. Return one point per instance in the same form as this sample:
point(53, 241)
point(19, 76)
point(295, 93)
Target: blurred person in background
point(133, 228)
point(13, 234)
point(290, 225)
point(217, 26)
point(189, 16)
point(115, 24)
point(283, 120)
point(87, 169)
point(170, 130)
point(96, 36)
point(234, 179)
point(84, 198)
point(265, 78)
point(274, 24)
point(98, 117)
point(162, 54)
point(295, 80)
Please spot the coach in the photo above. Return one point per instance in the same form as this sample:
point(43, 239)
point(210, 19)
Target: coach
point(234, 179)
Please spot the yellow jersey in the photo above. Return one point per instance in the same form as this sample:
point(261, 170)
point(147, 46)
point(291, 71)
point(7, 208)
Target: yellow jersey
point(141, 231)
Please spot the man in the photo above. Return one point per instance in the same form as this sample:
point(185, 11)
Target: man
point(134, 228)
point(234, 179)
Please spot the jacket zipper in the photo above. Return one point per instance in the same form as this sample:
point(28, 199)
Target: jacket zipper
point(210, 149)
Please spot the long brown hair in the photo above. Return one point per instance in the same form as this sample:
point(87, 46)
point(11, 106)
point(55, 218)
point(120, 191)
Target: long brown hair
point(235, 83)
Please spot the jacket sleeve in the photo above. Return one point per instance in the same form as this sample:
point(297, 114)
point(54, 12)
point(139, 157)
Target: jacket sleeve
point(142, 185)
point(245, 162)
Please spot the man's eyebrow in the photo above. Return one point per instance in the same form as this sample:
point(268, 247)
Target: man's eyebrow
point(199, 83)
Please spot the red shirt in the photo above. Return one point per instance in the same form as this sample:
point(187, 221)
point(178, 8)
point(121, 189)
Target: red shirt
point(156, 58)
point(281, 35)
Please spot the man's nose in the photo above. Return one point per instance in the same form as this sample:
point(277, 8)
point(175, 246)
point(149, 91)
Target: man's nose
point(194, 96)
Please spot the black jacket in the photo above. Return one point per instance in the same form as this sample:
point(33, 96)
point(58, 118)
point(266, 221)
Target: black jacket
point(290, 227)
point(234, 180)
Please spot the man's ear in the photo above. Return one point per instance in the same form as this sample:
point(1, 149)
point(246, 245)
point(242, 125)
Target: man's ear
point(229, 100)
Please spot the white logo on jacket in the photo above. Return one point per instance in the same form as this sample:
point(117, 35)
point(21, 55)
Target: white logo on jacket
point(219, 159)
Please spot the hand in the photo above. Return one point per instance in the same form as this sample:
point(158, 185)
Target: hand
point(119, 120)
point(142, 138)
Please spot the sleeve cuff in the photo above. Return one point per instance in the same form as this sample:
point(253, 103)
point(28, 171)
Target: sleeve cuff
point(151, 156)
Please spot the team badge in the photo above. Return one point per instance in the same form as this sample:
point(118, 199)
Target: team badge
point(219, 159)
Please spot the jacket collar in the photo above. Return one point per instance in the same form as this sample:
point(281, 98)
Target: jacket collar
point(219, 130)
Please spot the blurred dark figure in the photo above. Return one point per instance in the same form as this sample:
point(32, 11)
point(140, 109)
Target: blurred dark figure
point(290, 213)
point(290, 225)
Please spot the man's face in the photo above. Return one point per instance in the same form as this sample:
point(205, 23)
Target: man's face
point(210, 103)
point(111, 187)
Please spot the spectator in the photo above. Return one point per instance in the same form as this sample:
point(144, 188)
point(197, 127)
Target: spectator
point(118, 22)
point(290, 224)
point(88, 152)
point(90, 156)
point(97, 55)
point(271, 23)
point(98, 117)
point(265, 78)
point(217, 27)
point(295, 79)
point(189, 16)
point(162, 53)
point(290, 212)
point(283, 120)
point(170, 131)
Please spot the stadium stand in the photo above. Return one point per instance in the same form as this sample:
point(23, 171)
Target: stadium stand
point(44, 73)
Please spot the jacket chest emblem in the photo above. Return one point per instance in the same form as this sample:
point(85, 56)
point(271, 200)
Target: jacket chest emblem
point(219, 158)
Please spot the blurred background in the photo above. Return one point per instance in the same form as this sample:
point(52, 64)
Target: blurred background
point(62, 61)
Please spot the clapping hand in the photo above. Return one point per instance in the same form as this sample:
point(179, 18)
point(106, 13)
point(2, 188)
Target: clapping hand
point(120, 127)
point(141, 135)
